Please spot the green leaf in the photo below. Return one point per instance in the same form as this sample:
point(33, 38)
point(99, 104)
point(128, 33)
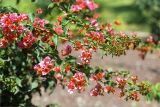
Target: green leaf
point(15, 90)
point(32, 16)
point(49, 26)
point(17, 2)
point(18, 81)
point(56, 39)
point(34, 85)
point(1, 63)
point(65, 22)
point(8, 10)
point(51, 5)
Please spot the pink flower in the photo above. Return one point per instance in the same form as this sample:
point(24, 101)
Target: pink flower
point(44, 67)
point(94, 23)
point(149, 39)
point(40, 22)
point(20, 29)
point(83, 4)
point(58, 29)
point(123, 35)
point(67, 50)
point(91, 5)
point(23, 17)
point(75, 8)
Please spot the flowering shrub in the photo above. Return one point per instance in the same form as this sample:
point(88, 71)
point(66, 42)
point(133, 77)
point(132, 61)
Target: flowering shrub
point(30, 58)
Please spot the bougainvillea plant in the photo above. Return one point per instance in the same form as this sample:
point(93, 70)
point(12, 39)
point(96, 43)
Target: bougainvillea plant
point(30, 57)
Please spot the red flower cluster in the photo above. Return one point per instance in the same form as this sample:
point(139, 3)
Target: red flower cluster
point(86, 56)
point(121, 82)
point(83, 4)
point(39, 23)
point(97, 90)
point(96, 36)
point(77, 82)
point(44, 67)
point(11, 27)
point(27, 41)
point(3, 43)
point(109, 89)
point(67, 68)
point(78, 45)
point(41, 31)
point(134, 96)
point(134, 78)
point(57, 69)
point(97, 77)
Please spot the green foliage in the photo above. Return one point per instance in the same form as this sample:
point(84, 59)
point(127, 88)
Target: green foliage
point(8, 10)
point(155, 93)
point(151, 10)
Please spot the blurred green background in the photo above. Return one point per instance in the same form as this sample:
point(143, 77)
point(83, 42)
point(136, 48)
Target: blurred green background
point(135, 15)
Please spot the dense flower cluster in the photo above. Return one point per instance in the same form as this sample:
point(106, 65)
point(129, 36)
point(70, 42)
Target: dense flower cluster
point(86, 56)
point(27, 41)
point(42, 32)
point(97, 77)
point(134, 96)
point(109, 89)
point(121, 82)
point(77, 82)
point(96, 36)
point(44, 67)
point(11, 27)
point(39, 23)
point(97, 90)
point(78, 45)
